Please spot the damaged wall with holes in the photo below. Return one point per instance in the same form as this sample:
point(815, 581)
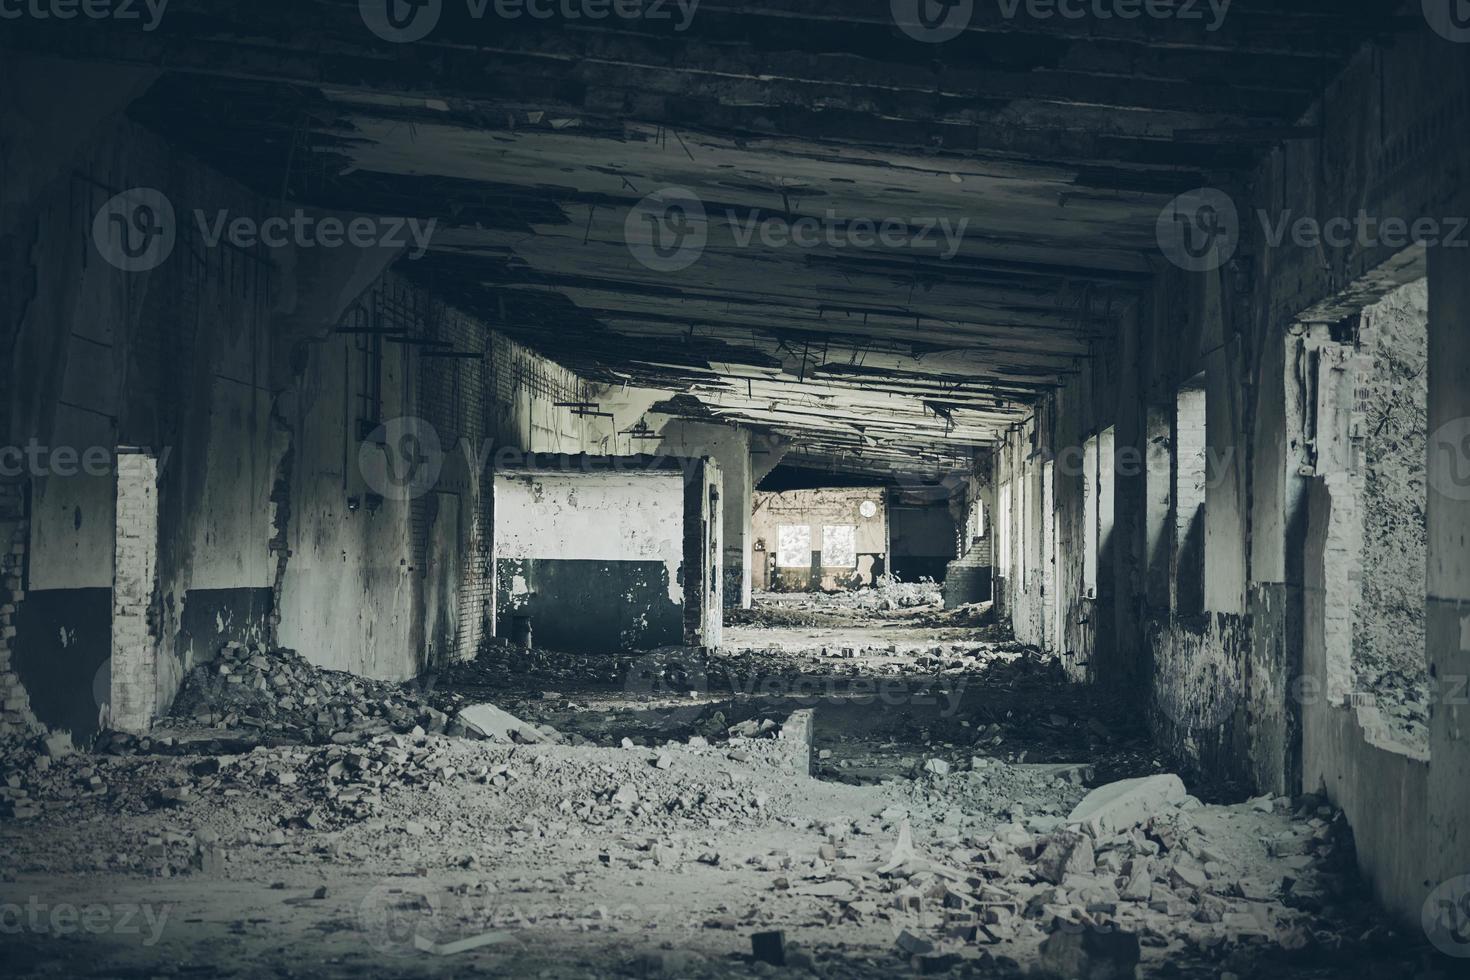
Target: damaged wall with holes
point(261, 387)
point(597, 555)
point(820, 540)
point(1242, 390)
point(175, 360)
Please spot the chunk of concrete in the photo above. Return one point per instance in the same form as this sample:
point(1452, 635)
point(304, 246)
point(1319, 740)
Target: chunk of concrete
point(489, 722)
point(799, 733)
point(58, 744)
point(1065, 854)
point(1119, 807)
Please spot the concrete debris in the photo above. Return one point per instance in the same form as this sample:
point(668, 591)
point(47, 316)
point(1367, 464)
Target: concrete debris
point(259, 694)
point(458, 946)
point(1121, 806)
point(489, 722)
point(58, 744)
point(971, 856)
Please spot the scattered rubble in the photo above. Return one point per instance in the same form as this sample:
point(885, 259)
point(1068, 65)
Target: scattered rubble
point(278, 693)
point(996, 838)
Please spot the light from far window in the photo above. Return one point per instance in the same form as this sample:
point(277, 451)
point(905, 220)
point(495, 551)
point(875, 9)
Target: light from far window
point(794, 546)
point(839, 546)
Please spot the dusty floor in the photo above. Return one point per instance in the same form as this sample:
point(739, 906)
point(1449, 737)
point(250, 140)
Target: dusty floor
point(669, 820)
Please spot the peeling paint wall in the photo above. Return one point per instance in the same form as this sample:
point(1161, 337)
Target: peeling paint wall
point(1389, 661)
point(1221, 678)
point(174, 360)
point(227, 366)
point(594, 561)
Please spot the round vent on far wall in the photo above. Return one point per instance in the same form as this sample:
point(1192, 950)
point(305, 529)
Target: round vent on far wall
point(867, 508)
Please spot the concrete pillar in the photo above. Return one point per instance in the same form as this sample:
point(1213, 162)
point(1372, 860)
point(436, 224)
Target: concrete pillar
point(16, 717)
point(1448, 614)
point(729, 447)
point(135, 696)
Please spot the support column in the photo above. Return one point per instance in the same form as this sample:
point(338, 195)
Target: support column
point(1448, 614)
point(729, 447)
point(16, 717)
point(135, 570)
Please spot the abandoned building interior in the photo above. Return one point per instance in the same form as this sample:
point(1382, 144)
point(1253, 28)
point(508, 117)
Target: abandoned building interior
point(720, 488)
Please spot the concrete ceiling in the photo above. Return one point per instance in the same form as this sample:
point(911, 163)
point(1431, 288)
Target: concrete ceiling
point(1048, 146)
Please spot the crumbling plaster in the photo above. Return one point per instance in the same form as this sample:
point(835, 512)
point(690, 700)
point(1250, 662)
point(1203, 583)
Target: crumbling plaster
point(1224, 690)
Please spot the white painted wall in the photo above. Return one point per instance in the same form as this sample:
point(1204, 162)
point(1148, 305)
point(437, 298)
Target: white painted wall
point(592, 517)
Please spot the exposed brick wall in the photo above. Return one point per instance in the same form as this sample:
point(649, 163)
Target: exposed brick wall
point(135, 695)
point(456, 396)
point(16, 718)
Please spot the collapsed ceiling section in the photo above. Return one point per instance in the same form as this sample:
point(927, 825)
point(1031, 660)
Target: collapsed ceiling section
point(793, 214)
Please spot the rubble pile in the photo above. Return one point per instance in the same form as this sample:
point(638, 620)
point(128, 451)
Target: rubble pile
point(890, 593)
point(887, 598)
point(278, 692)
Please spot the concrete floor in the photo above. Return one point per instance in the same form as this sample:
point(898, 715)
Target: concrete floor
point(662, 858)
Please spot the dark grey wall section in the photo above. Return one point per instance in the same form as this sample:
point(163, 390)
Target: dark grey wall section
point(923, 541)
point(214, 617)
point(63, 637)
point(620, 604)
